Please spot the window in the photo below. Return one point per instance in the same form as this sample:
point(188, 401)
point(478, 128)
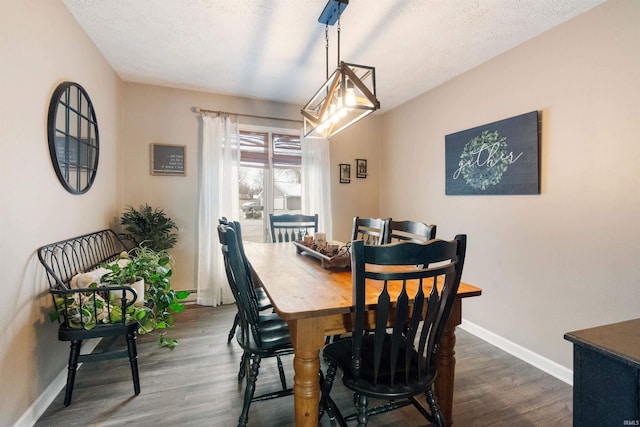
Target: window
point(269, 180)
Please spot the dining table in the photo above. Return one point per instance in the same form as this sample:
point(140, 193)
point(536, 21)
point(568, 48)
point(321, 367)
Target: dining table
point(316, 302)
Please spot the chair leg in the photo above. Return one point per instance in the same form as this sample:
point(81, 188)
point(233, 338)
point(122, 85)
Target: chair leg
point(133, 360)
point(435, 409)
point(361, 403)
point(321, 405)
point(232, 332)
point(243, 367)
point(326, 402)
point(249, 390)
point(283, 379)
point(326, 386)
point(74, 353)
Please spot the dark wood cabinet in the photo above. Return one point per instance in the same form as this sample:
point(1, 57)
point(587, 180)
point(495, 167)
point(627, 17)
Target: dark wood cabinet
point(606, 375)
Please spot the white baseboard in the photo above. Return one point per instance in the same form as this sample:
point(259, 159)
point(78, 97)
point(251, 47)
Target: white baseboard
point(540, 362)
point(40, 405)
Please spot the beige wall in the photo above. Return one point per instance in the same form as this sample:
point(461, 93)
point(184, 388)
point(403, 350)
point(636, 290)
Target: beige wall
point(566, 259)
point(360, 197)
point(41, 45)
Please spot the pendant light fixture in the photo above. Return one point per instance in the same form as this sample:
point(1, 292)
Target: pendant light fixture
point(348, 95)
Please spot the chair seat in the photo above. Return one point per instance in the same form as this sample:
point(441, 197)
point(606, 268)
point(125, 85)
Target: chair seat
point(274, 334)
point(340, 353)
point(66, 333)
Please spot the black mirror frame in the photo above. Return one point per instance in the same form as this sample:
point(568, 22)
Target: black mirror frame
point(57, 105)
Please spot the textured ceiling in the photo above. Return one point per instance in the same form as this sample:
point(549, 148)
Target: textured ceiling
point(275, 49)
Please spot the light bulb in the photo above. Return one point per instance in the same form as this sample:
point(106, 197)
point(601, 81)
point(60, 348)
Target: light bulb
point(351, 97)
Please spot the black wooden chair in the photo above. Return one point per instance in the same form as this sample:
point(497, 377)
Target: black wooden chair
point(399, 364)
point(372, 230)
point(399, 231)
point(86, 313)
point(294, 227)
point(263, 301)
point(257, 294)
point(259, 337)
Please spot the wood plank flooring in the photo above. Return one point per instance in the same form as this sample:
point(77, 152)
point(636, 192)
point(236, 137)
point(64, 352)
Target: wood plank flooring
point(196, 385)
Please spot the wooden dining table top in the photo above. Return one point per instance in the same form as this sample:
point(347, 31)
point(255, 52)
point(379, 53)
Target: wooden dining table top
point(299, 287)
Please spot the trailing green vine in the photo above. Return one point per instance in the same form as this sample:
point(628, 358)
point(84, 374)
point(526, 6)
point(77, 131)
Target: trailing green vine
point(161, 300)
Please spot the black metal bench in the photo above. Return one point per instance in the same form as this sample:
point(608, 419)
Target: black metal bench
point(89, 312)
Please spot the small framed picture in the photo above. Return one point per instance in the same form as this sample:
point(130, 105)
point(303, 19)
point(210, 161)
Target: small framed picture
point(361, 168)
point(345, 173)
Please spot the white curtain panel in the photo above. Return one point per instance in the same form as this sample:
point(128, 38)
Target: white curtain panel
point(218, 197)
point(316, 182)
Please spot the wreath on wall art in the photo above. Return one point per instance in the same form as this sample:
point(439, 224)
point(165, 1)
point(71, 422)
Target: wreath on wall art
point(485, 159)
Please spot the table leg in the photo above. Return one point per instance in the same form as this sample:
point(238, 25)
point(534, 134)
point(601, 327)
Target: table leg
point(446, 364)
point(308, 339)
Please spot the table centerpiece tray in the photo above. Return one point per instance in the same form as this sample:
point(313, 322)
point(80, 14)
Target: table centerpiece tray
point(340, 258)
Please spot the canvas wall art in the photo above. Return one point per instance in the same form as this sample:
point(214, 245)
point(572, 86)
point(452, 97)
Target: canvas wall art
point(502, 157)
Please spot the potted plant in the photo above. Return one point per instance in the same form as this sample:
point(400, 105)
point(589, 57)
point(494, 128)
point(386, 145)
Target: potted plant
point(160, 300)
point(148, 227)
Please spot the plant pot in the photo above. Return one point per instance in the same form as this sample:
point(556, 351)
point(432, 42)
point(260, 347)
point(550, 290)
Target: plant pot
point(137, 286)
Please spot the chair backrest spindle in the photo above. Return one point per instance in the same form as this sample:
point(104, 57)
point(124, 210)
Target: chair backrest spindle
point(399, 231)
point(295, 227)
point(64, 259)
point(409, 290)
point(372, 231)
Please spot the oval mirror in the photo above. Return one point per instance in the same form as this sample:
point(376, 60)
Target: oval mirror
point(73, 137)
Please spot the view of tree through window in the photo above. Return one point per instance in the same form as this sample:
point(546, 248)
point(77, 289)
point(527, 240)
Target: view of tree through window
point(270, 179)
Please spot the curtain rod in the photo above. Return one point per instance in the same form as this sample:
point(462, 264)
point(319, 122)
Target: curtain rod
point(202, 110)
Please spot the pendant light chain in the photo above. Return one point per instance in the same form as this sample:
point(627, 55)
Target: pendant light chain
point(326, 47)
point(338, 42)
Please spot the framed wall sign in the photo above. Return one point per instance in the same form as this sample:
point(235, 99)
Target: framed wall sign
point(345, 173)
point(361, 168)
point(502, 157)
point(168, 159)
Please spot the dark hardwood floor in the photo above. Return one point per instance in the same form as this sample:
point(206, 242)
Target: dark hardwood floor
point(196, 385)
